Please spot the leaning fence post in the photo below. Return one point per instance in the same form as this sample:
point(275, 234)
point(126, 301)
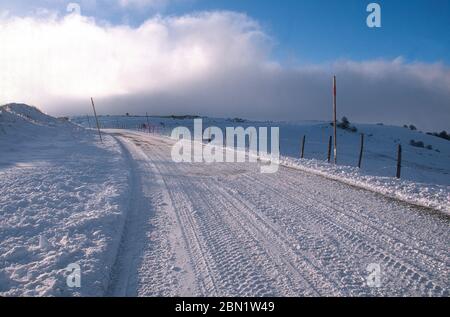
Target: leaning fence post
point(399, 160)
point(329, 148)
point(303, 146)
point(361, 151)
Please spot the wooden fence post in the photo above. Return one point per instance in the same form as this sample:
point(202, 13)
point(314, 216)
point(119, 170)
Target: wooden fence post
point(361, 151)
point(330, 142)
point(399, 160)
point(303, 146)
point(335, 118)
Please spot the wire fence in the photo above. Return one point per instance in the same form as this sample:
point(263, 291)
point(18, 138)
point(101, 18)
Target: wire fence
point(316, 146)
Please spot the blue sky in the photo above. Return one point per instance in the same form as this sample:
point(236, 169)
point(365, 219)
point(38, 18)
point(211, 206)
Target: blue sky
point(323, 30)
point(304, 31)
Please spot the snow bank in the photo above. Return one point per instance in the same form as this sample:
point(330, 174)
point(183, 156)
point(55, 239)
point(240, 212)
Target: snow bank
point(426, 195)
point(62, 197)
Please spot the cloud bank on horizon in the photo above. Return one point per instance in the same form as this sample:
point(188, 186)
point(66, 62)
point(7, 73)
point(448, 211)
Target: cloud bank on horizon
point(215, 63)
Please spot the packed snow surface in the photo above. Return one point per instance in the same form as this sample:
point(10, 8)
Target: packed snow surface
point(225, 229)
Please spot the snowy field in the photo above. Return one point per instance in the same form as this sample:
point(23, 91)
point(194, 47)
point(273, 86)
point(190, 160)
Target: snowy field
point(139, 224)
point(425, 179)
point(419, 164)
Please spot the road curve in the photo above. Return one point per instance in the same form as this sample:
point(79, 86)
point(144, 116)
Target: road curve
point(228, 230)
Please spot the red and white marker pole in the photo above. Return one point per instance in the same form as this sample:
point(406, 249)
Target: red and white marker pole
point(335, 119)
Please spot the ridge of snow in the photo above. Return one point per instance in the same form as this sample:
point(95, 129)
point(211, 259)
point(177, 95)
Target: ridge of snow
point(426, 195)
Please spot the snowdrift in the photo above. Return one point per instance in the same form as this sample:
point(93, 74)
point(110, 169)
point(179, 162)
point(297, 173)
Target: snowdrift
point(13, 113)
point(20, 122)
point(63, 195)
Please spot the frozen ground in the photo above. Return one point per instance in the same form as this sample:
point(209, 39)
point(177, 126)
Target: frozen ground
point(139, 224)
point(228, 230)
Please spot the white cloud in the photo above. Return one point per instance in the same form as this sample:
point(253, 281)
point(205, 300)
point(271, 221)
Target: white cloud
point(74, 56)
point(213, 63)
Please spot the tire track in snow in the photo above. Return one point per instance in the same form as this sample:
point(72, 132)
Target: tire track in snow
point(385, 222)
point(184, 208)
point(350, 234)
point(249, 234)
point(282, 249)
point(151, 259)
point(220, 248)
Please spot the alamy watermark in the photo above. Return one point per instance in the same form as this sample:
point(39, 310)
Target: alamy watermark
point(73, 8)
point(374, 277)
point(231, 149)
point(374, 18)
point(73, 279)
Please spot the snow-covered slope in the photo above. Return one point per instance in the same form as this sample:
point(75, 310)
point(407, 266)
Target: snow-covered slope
point(419, 164)
point(19, 120)
point(425, 178)
point(59, 204)
point(15, 112)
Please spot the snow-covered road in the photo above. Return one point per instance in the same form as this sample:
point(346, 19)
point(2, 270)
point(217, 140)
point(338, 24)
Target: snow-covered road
point(228, 230)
